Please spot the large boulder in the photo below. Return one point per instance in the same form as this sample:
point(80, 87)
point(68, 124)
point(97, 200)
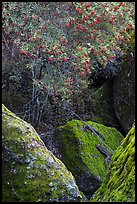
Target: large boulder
point(96, 104)
point(119, 185)
point(30, 172)
point(101, 105)
point(78, 147)
point(124, 93)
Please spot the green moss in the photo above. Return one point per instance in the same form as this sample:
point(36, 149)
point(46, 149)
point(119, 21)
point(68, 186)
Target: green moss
point(78, 147)
point(119, 185)
point(31, 173)
point(102, 105)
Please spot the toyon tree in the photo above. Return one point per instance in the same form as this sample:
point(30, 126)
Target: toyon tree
point(65, 43)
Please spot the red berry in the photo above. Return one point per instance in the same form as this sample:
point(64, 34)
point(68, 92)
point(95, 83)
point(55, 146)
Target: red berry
point(67, 25)
point(42, 46)
point(65, 59)
point(21, 51)
point(51, 59)
point(35, 17)
point(83, 73)
point(70, 80)
point(43, 27)
point(116, 8)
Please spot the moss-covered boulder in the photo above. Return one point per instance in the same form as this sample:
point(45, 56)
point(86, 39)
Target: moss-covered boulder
point(124, 93)
point(119, 185)
point(96, 104)
point(31, 173)
point(102, 105)
point(78, 149)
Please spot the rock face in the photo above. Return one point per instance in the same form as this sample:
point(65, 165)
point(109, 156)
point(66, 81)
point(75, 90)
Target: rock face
point(119, 185)
point(78, 150)
point(30, 172)
point(102, 105)
point(124, 93)
point(97, 105)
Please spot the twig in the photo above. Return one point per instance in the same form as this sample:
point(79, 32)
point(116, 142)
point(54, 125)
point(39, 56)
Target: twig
point(93, 130)
point(86, 126)
point(104, 152)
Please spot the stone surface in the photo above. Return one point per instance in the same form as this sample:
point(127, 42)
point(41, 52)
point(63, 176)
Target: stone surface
point(124, 93)
point(77, 149)
point(97, 105)
point(119, 185)
point(30, 172)
point(102, 105)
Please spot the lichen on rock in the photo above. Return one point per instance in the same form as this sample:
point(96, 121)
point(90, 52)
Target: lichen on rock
point(78, 151)
point(30, 172)
point(119, 185)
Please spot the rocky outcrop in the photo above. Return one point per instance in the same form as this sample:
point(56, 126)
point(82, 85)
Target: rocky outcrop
point(97, 105)
point(119, 185)
point(30, 172)
point(86, 153)
point(102, 105)
point(124, 93)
